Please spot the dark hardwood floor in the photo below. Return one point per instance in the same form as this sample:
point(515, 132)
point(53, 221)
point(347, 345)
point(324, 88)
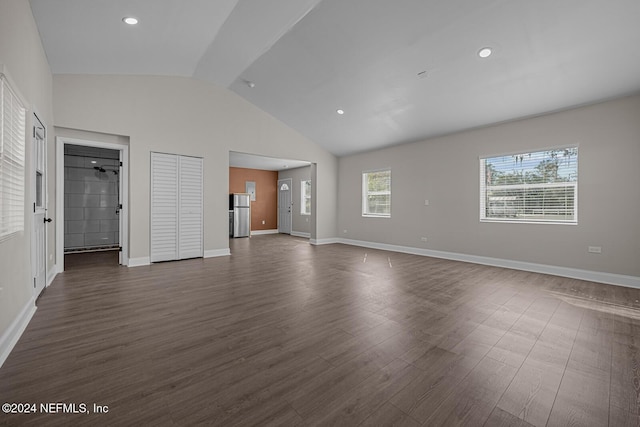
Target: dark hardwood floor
point(285, 333)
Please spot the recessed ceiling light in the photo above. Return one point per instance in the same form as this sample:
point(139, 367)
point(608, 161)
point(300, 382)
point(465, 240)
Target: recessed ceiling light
point(341, 112)
point(130, 20)
point(485, 52)
point(93, 162)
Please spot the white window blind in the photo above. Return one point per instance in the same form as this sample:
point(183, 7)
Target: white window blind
point(376, 193)
point(305, 197)
point(539, 187)
point(12, 153)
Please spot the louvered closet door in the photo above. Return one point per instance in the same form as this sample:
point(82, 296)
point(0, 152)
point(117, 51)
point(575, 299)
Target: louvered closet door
point(164, 207)
point(190, 222)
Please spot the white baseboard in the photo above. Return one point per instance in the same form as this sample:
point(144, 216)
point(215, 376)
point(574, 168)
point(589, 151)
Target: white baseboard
point(574, 273)
point(325, 241)
point(259, 232)
point(301, 234)
point(15, 330)
point(212, 253)
point(139, 262)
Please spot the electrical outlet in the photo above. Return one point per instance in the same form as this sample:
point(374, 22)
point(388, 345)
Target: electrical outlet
point(50, 257)
point(426, 202)
point(263, 222)
point(595, 249)
point(424, 239)
point(344, 231)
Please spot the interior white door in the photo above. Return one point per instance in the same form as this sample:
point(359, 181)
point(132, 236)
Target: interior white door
point(39, 236)
point(284, 206)
point(190, 221)
point(164, 207)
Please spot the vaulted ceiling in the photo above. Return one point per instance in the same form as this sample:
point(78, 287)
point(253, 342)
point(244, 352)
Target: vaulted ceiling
point(401, 71)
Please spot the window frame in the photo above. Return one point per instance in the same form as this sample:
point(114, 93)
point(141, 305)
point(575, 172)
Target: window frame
point(304, 197)
point(365, 194)
point(482, 188)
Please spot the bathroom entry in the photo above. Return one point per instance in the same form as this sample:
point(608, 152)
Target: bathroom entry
point(91, 201)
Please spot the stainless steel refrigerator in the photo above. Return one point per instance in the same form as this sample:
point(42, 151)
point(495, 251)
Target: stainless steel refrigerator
point(240, 203)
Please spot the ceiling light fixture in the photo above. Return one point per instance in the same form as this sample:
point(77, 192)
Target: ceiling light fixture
point(341, 112)
point(485, 52)
point(130, 20)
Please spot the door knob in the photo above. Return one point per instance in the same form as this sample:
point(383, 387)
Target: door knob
point(48, 220)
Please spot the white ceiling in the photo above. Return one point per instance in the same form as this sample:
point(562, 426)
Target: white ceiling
point(251, 161)
point(308, 58)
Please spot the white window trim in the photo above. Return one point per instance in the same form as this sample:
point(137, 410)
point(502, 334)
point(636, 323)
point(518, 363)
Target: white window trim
point(482, 176)
point(303, 196)
point(365, 193)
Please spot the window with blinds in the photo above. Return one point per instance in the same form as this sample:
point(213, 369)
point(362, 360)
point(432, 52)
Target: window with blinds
point(376, 193)
point(305, 197)
point(12, 159)
point(538, 187)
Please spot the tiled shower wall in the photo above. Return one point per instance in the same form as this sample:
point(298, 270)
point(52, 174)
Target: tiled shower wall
point(91, 198)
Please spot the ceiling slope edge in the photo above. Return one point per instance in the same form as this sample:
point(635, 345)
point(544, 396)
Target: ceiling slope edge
point(248, 33)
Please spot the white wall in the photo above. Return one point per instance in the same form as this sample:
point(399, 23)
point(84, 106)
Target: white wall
point(189, 117)
point(445, 171)
point(299, 223)
point(22, 54)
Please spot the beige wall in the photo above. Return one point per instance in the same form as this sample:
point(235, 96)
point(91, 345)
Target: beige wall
point(22, 54)
point(189, 117)
point(445, 171)
point(299, 223)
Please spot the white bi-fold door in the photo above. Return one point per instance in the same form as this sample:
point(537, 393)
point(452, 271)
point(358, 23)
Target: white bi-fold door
point(176, 207)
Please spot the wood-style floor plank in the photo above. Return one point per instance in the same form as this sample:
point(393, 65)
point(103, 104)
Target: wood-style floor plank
point(285, 333)
point(532, 392)
point(501, 418)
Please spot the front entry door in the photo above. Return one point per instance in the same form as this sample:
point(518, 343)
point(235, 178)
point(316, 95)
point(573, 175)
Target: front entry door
point(39, 177)
point(284, 206)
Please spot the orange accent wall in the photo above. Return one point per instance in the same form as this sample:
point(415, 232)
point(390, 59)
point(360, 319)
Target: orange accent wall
point(265, 208)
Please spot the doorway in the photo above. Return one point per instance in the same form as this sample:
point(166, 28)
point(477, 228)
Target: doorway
point(294, 221)
point(284, 206)
point(92, 201)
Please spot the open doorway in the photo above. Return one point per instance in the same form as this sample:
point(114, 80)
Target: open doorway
point(297, 206)
point(92, 203)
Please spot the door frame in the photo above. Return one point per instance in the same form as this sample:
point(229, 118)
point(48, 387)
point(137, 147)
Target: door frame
point(35, 248)
point(289, 182)
point(124, 195)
